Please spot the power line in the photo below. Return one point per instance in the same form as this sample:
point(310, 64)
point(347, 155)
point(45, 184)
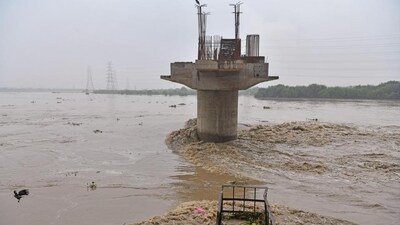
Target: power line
point(334, 61)
point(347, 46)
point(335, 53)
point(343, 38)
point(338, 76)
point(339, 69)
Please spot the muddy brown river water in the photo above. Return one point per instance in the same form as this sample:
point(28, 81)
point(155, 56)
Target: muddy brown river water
point(47, 144)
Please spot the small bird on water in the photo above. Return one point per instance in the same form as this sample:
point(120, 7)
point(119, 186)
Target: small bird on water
point(20, 194)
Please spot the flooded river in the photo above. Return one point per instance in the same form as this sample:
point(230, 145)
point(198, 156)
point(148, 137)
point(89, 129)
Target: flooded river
point(55, 144)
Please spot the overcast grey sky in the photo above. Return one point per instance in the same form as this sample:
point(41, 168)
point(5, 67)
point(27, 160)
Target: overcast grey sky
point(49, 43)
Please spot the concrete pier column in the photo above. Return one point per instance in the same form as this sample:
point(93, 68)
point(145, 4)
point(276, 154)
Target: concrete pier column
point(217, 115)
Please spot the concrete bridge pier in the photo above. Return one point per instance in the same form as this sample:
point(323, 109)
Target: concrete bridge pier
point(219, 72)
point(217, 115)
point(218, 84)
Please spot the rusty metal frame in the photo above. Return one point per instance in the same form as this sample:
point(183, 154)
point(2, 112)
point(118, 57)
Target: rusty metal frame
point(230, 50)
point(269, 218)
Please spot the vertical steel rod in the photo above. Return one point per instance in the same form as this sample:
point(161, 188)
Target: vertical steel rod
point(233, 198)
point(244, 199)
point(255, 196)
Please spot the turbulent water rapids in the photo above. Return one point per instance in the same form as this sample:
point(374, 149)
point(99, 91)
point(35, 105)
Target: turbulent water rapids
point(333, 169)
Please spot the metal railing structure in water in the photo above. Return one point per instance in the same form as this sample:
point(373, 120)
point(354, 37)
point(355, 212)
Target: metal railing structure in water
point(233, 199)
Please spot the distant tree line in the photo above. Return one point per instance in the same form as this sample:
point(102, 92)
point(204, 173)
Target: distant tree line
point(388, 90)
point(168, 92)
point(54, 90)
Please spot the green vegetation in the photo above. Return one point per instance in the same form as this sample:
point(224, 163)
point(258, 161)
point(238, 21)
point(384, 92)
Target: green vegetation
point(250, 218)
point(388, 90)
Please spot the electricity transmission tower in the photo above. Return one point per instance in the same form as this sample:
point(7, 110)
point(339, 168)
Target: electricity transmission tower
point(89, 82)
point(111, 77)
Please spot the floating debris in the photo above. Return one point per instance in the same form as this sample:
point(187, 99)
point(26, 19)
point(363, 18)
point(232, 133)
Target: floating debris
point(74, 124)
point(183, 214)
point(266, 107)
point(283, 148)
point(74, 173)
point(245, 124)
point(181, 104)
point(172, 106)
point(92, 186)
point(199, 211)
point(97, 131)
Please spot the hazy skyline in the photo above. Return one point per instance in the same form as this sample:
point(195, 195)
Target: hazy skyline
point(50, 43)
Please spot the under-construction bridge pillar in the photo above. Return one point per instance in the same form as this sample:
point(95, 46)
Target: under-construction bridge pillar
point(217, 113)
